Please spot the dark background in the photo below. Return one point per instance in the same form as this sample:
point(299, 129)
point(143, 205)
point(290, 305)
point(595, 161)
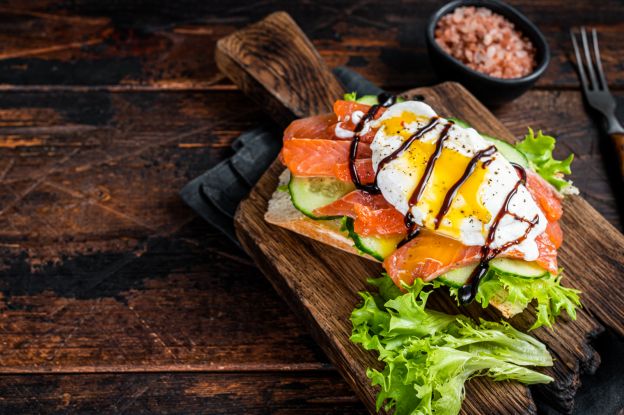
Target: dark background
point(113, 295)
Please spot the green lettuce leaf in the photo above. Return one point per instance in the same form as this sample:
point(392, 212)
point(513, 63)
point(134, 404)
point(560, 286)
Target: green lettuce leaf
point(538, 150)
point(351, 96)
point(386, 287)
point(429, 355)
point(517, 292)
point(365, 99)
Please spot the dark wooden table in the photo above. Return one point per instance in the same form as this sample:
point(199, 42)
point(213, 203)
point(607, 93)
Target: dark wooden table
point(114, 296)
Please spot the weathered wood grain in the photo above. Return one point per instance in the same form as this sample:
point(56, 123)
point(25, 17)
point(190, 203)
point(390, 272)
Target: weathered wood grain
point(90, 145)
point(618, 145)
point(325, 294)
point(35, 332)
point(100, 171)
point(179, 393)
point(243, 57)
point(592, 254)
point(57, 270)
point(450, 100)
point(569, 344)
point(188, 302)
point(103, 267)
point(170, 45)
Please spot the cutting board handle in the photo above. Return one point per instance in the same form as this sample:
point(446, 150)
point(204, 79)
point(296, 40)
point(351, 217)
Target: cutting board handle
point(276, 65)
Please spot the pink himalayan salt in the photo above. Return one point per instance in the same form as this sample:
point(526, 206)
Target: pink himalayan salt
point(486, 42)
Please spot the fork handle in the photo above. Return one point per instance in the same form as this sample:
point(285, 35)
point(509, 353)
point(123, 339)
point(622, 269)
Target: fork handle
point(618, 141)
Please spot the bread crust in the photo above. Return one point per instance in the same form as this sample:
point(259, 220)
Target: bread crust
point(283, 213)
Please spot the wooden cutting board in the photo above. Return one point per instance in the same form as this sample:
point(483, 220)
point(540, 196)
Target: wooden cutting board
point(277, 65)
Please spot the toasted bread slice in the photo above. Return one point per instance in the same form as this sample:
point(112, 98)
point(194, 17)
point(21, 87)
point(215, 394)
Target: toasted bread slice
point(283, 213)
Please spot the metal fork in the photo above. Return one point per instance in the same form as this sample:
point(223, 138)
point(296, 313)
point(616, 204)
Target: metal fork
point(596, 89)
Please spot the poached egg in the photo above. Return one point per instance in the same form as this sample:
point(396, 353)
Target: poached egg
point(478, 200)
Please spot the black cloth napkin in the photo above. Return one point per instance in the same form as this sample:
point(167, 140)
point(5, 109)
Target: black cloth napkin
point(215, 195)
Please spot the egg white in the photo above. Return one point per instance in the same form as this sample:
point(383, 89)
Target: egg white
point(397, 181)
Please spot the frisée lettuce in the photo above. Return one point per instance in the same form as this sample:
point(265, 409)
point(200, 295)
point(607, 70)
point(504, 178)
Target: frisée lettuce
point(365, 99)
point(538, 150)
point(429, 355)
point(515, 292)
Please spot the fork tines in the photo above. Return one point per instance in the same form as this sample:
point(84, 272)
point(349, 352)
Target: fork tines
point(594, 66)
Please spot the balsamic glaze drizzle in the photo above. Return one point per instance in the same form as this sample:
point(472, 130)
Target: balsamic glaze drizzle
point(468, 291)
point(452, 192)
point(417, 193)
point(407, 143)
point(415, 197)
point(521, 172)
point(410, 224)
point(412, 232)
point(385, 100)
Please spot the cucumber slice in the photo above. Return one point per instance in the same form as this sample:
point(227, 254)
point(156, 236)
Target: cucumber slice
point(507, 150)
point(457, 278)
point(459, 122)
point(518, 268)
point(372, 100)
point(508, 266)
point(368, 100)
point(377, 247)
point(310, 193)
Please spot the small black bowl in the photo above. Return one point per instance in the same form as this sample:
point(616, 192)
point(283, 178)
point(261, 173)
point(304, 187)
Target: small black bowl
point(492, 91)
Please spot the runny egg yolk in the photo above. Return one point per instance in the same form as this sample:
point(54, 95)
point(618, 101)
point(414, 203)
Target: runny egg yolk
point(466, 205)
point(396, 125)
point(448, 169)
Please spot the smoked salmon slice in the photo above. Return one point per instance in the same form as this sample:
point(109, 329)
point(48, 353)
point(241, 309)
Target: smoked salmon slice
point(427, 256)
point(311, 147)
point(374, 216)
point(545, 195)
point(344, 111)
point(371, 214)
point(324, 126)
point(318, 126)
point(326, 158)
point(554, 232)
point(430, 255)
